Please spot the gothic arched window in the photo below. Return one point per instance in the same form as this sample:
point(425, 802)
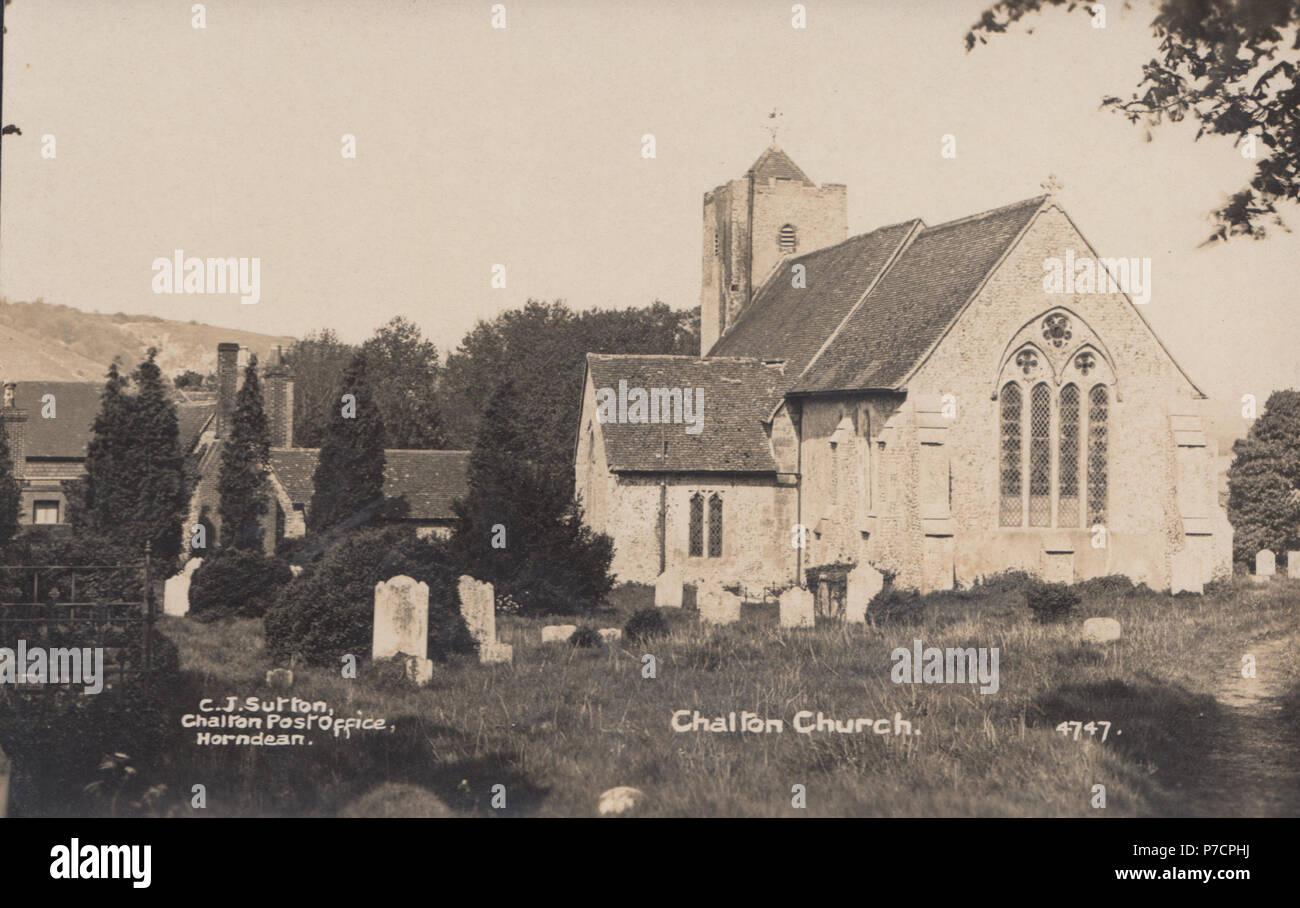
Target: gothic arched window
point(1067, 505)
point(697, 526)
point(1098, 413)
point(786, 238)
point(1012, 514)
point(715, 526)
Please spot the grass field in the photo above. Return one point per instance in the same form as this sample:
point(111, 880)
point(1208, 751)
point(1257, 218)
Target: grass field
point(1189, 736)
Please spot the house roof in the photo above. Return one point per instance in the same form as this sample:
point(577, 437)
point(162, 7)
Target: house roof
point(774, 162)
point(791, 324)
point(738, 395)
point(920, 295)
point(429, 481)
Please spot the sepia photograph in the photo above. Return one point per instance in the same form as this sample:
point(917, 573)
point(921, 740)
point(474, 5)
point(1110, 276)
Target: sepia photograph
point(881, 409)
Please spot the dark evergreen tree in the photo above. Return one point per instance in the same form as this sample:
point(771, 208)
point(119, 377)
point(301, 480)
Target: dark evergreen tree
point(245, 460)
point(10, 493)
point(1264, 481)
point(156, 465)
point(350, 473)
point(522, 531)
point(105, 493)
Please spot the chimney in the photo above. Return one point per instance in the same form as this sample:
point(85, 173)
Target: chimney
point(279, 401)
point(13, 422)
point(227, 384)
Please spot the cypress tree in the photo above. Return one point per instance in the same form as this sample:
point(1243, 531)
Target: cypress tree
point(156, 465)
point(245, 460)
point(104, 489)
point(10, 493)
point(350, 473)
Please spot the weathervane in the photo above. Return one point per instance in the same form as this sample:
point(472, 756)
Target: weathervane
point(773, 126)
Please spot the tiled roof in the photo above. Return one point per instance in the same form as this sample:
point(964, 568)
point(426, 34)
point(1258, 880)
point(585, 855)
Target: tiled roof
point(429, 481)
point(915, 301)
point(738, 395)
point(792, 324)
point(76, 404)
point(190, 419)
point(774, 162)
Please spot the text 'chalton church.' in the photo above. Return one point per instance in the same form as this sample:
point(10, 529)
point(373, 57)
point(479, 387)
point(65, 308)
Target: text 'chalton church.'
point(917, 398)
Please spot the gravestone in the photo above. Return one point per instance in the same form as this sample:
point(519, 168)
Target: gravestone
point(419, 671)
point(176, 590)
point(491, 653)
point(558, 633)
point(1100, 630)
point(668, 589)
point(718, 606)
point(478, 608)
point(401, 618)
point(1265, 566)
point(864, 583)
point(1185, 574)
point(619, 800)
point(1293, 565)
point(610, 634)
point(797, 607)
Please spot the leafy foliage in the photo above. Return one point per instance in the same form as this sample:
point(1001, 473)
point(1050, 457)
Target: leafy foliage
point(1264, 481)
point(236, 582)
point(316, 362)
point(328, 612)
point(10, 493)
point(585, 637)
point(1051, 602)
point(245, 460)
point(1219, 63)
point(551, 561)
point(350, 473)
point(645, 624)
point(403, 369)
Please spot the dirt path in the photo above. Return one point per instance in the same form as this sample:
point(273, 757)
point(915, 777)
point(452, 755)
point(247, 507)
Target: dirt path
point(1253, 764)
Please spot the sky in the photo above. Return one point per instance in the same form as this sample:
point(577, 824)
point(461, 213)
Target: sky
point(521, 146)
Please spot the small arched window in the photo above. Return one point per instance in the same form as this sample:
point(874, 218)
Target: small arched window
point(1067, 506)
point(1098, 413)
point(715, 526)
point(697, 526)
point(786, 238)
point(1040, 456)
point(1011, 509)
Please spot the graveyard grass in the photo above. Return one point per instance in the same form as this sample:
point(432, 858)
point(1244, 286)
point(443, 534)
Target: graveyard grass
point(562, 724)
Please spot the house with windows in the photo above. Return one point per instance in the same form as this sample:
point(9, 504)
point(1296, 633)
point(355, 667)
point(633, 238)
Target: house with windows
point(919, 398)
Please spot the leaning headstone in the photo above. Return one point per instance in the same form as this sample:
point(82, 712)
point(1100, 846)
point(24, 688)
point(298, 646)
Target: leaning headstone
point(491, 653)
point(619, 800)
point(558, 633)
point(1185, 573)
point(718, 606)
point(176, 590)
point(797, 608)
point(401, 618)
point(280, 678)
point(610, 634)
point(864, 583)
point(1100, 630)
point(1265, 566)
point(668, 589)
point(478, 608)
point(1293, 565)
point(419, 671)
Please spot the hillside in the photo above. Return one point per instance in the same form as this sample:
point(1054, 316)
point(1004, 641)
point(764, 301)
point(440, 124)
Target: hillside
point(58, 343)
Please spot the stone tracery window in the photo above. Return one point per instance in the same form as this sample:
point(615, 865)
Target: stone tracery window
point(1040, 456)
point(1056, 329)
point(1098, 439)
point(715, 525)
point(697, 526)
point(1067, 504)
point(1011, 506)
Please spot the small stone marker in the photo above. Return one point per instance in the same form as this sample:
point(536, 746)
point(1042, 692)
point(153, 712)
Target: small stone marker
point(280, 678)
point(1265, 566)
point(610, 634)
point(668, 589)
point(619, 800)
point(558, 633)
point(478, 608)
point(718, 606)
point(492, 653)
point(1293, 565)
point(1100, 630)
point(401, 618)
point(176, 590)
point(864, 583)
point(419, 671)
point(797, 608)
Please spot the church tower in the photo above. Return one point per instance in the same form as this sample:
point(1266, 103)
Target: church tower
point(774, 210)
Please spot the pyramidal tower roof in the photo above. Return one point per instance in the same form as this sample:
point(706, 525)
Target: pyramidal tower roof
point(774, 162)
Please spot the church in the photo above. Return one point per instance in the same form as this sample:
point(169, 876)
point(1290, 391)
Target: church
point(923, 399)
